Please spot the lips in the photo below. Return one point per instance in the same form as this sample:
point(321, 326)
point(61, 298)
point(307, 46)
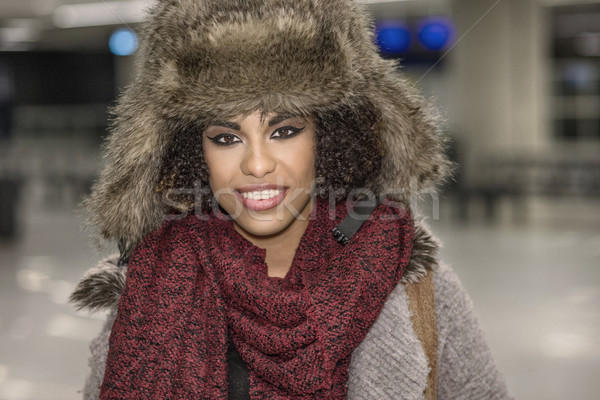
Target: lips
point(261, 197)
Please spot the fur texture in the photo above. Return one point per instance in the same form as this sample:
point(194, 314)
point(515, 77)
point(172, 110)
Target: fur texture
point(101, 287)
point(222, 58)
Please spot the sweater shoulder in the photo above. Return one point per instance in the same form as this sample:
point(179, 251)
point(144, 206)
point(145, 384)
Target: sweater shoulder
point(462, 345)
point(451, 298)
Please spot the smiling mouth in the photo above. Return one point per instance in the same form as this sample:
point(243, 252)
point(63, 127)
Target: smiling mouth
point(261, 197)
point(261, 194)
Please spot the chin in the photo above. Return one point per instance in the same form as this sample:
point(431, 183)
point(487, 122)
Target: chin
point(275, 221)
point(269, 225)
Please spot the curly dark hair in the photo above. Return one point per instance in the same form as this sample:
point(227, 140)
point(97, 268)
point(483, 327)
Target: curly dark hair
point(349, 154)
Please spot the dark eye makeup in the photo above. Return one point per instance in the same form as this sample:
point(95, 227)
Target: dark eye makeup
point(224, 139)
point(228, 139)
point(286, 132)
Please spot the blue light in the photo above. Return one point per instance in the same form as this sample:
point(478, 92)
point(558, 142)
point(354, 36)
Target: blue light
point(393, 38)
point(436, 33)
point(123, 42)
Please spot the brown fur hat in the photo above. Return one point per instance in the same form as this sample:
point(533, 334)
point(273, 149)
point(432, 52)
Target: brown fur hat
point(222, 58)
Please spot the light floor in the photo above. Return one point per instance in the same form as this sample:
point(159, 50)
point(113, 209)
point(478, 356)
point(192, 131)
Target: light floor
point(535, 284)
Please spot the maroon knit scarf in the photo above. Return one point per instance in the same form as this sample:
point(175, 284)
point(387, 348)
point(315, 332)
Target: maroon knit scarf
point(192, 282)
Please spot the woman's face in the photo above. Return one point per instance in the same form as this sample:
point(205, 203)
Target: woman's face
point(262, 170)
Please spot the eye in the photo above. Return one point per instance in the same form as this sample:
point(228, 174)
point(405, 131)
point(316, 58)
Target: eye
point(224, 139)
point(286, 132)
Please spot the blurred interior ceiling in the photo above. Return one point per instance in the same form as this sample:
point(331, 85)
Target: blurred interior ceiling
point(87, 24)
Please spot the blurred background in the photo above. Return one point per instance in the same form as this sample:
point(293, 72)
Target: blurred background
point(519, 83)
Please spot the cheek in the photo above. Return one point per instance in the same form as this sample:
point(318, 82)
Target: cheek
point(217, 167)
point(308, 170)
point(298, 165)
point(301, 159)
point(307, 162)
point(219, 180)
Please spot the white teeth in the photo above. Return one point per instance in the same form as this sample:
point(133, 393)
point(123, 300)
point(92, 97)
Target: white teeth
point(262, 195)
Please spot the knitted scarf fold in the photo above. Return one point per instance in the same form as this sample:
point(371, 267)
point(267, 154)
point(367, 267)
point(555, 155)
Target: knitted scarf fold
point(193, 282)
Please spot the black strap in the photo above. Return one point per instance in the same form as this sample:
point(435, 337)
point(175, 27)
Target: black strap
point(353, 221)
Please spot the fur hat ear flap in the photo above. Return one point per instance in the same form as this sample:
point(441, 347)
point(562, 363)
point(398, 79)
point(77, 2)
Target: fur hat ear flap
point(124, 205)
point(414, 158)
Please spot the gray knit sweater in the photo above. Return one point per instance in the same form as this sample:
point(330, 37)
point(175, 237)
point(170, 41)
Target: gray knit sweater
point(390, 362)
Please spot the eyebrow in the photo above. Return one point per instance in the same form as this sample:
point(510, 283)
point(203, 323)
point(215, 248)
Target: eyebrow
point(280, 118)
point(227, 124)
point(273, 121)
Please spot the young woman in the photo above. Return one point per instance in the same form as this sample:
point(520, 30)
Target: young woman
point(258, 180)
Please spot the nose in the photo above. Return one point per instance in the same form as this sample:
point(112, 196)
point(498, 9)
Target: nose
point(258, 161)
